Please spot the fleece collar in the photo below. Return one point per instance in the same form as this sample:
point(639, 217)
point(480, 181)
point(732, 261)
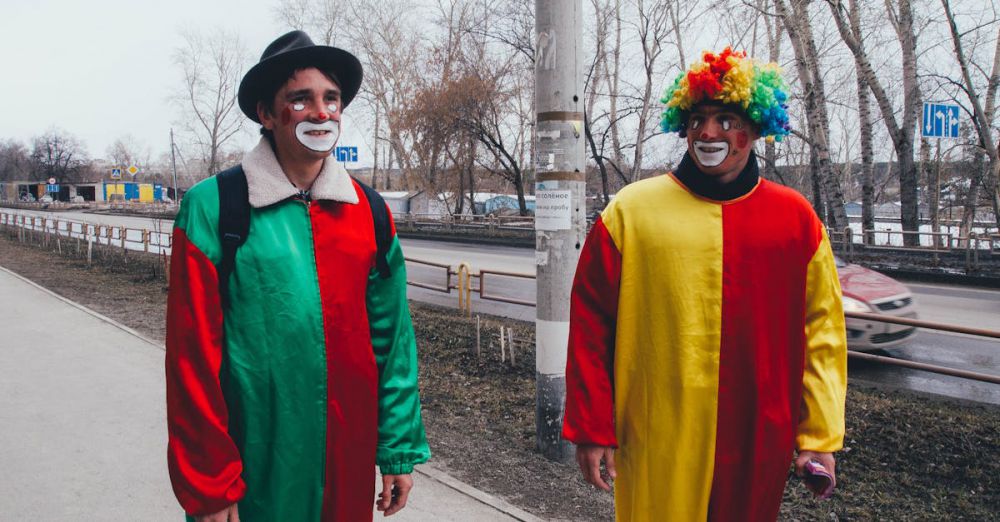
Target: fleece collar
point(267, 183)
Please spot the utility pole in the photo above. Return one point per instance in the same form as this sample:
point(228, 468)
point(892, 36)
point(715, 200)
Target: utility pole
point(173, 164)
point(560, 205)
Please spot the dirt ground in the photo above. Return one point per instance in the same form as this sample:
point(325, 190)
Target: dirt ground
point(907, 457)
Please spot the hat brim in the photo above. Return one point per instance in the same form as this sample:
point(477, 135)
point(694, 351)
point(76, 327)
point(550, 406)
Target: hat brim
point(344, 66)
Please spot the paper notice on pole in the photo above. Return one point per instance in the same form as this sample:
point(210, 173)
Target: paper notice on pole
point(553, 210)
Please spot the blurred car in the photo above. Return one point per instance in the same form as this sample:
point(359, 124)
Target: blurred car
point(869, 291)
point(45, 199)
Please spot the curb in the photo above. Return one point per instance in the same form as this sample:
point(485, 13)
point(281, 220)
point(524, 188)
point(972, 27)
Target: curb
point(433, 473)
point(79, 306)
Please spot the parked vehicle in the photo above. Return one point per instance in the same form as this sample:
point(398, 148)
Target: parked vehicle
point(45, 199)
point(869, 291)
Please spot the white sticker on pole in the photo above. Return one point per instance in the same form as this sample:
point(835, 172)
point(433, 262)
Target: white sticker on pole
point(553, 210)
point(551, 341)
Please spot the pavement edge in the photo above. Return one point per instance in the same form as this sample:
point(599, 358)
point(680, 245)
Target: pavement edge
point(432, 472)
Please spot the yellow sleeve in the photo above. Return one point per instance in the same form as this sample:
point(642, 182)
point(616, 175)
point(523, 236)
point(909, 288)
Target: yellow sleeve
point(824, 383)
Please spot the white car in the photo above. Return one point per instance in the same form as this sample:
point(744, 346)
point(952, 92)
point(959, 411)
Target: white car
point(871, 292)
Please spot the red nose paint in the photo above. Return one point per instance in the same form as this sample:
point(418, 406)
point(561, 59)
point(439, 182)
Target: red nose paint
point(322, 116)
point(704, 136)
point(742, 139)
point(286, 116)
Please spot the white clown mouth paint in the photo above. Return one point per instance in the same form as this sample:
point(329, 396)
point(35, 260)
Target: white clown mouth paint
point(711, 154)
point(320, 137)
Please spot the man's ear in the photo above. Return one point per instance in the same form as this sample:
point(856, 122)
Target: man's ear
point(265, 116)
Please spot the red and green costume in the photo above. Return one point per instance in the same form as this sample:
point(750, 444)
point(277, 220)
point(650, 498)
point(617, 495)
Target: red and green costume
point(707, 342)
point(287, 399)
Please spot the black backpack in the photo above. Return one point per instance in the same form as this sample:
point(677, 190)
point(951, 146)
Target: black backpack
point(234, 224)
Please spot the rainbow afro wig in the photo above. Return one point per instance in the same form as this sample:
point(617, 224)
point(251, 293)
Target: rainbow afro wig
point(730, 78)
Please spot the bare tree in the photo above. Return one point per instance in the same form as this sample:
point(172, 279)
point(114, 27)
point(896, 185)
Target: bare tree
point(865, 131)
point(901, 131)
point(58, 154)
point(212, 66)
point(982, 117)
point(128, 151)
point(652, 27)
point(321, 19)
point(391, 53)
point(15, 162)
point(797, 23)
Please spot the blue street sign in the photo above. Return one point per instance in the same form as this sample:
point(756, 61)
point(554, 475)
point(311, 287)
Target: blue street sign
point(52, 188)
point(346, 154)
point(940, 121)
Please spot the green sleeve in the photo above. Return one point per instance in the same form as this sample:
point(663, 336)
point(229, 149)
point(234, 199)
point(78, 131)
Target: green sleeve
point(401, 438)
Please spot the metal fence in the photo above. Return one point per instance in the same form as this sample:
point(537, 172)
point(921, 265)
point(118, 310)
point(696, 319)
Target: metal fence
point(465, 281)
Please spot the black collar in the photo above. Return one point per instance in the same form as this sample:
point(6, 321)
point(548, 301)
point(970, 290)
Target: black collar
point(707, 186)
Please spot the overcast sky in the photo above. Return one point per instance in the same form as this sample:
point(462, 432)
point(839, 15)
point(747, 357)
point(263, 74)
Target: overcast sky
point(101, 69)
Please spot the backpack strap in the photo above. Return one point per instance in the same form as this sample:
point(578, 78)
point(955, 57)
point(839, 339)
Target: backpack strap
point(234, 222)
point(383, 232)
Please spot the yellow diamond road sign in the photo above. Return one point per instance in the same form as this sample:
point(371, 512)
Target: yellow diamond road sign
point(133, 170)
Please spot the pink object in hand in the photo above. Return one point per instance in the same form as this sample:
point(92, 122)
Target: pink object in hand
point(819, 480)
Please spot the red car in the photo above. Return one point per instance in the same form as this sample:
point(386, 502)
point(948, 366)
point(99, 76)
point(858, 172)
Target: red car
point(869, 291)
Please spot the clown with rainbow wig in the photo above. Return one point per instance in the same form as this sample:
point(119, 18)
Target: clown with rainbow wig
point(707, 349)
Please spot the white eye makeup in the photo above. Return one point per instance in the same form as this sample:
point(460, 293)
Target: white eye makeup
point(695, 124)
point(298, 107)
point(726, 124)
point(332, 107)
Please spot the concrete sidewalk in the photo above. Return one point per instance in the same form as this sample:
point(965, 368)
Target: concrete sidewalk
point(82, 422)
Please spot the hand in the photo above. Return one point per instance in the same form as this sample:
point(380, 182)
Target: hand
point(230, 514)
point(395, 490)
point(589, 457)
point(826, 459)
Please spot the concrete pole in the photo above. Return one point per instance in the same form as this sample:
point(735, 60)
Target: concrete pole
point(560, 205)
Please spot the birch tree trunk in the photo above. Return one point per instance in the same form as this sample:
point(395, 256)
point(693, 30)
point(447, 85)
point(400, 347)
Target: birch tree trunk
point(982, 118)
point(901, 132)
point(866, 136)
point(813, 90)
point(774, 31)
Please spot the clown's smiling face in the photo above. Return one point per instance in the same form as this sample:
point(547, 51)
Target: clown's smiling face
point(719, 140)
point(304, 116)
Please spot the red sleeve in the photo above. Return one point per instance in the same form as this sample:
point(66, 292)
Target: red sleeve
point(590, 362)
point(204, 462)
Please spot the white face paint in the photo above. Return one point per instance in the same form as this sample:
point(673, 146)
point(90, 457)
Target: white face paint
point(320, 137)
point(711, 154)
point(332, 107)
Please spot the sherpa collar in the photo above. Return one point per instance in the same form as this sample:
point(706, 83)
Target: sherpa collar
point(267, 183)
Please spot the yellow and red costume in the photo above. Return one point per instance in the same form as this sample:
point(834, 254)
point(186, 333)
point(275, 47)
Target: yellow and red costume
point(706, 343)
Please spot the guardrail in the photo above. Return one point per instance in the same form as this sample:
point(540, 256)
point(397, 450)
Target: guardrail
point(939, 246)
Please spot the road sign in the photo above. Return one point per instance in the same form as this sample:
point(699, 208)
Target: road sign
point(116, 173)
point(52, 181)
point(52, 188)
point(347, 154)
point(132, 170)
point(940, 121)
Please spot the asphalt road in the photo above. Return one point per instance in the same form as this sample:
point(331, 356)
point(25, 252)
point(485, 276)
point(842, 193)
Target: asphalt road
point(979, 308)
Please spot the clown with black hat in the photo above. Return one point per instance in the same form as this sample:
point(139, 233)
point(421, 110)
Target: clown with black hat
point(291, 359)
point(707, 341)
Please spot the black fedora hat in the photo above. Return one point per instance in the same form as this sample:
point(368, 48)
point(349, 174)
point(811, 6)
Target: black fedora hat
point(290, 52)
